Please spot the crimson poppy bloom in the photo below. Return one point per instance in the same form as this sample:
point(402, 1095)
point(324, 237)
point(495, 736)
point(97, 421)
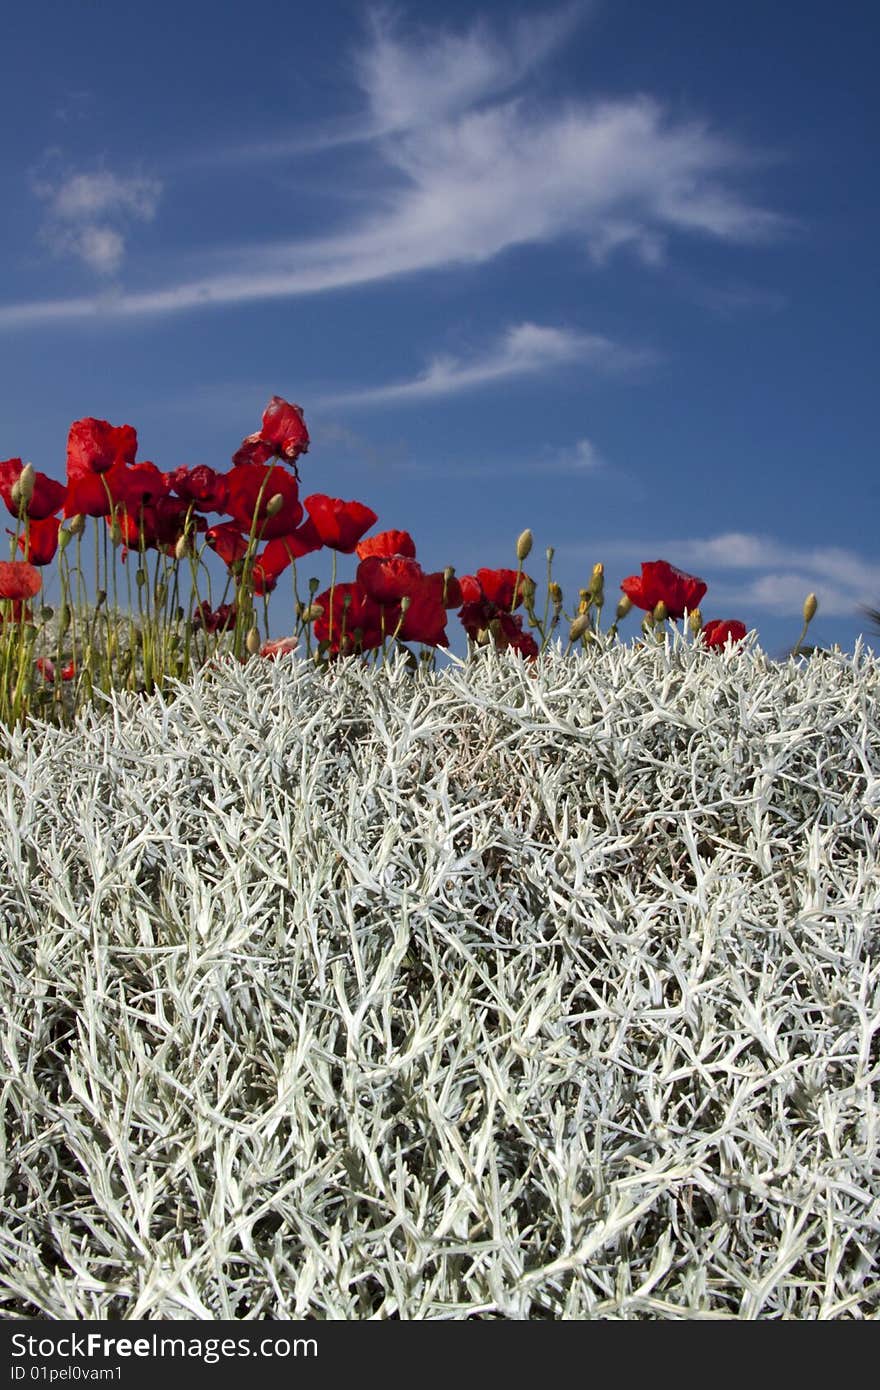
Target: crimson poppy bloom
point(19, 579)
point(46, 498)
point(387, 543)
point(362, 613)
point(279, 553)
point(496, 587)
point(94, 446)
point(40, 542)
point(246, 484)
point(388, 578)
point(716, 632)
point(283, 435)
point(201, 486)
point(339, 524)
point(660, 582)
point(226, 539)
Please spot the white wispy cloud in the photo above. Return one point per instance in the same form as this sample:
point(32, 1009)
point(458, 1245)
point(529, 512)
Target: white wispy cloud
point(781, 575)
point(87, 213)
point(467, 170)
point(527, 349)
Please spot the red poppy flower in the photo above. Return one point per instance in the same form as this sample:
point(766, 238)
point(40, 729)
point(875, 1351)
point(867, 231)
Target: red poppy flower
point(339, 524)
point(716, 633)
point(387, 543)
point(660, 582)
point(19, 579)
point(158, 526)
point(279, 553)
point(283, 435)
point(40, 542)
point(94, 446)
point(226, 539)
point(387, 578)
point(205, 489)
point(425, 619)
point(279, 647)
point(496, 587)
point(245, 484)
point(46, 498)
point(362, 613)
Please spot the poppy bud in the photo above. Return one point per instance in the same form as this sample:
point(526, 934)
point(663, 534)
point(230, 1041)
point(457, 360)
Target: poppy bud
point(183, 546)
point(623, 607)
point(597, 584)
point(312, 613)
point(115, 532)
point(76, 525)
point(405, 603)
point(23, 488)
point(584, 605)
point(252, 641)
point(695, 621)
point(140, 578)
point(524, 545)
point(579, 627)
point(555, 593)
point(811, 603)
point(313, 585)
point(274, 505)
point(661, 612)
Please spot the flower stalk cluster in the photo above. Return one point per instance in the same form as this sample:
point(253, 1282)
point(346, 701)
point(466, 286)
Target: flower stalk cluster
point(154, 530)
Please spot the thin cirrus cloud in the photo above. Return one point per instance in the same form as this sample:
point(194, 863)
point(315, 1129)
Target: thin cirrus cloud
point(527, 349)
point(782, 575)
point(488, 172)
point(87, 214)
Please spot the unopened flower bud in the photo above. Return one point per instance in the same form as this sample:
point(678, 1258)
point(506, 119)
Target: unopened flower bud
point(183, 546)
point(76, 525)
point(555, 591)
point(661, 612)
point(115, 532)
point(524, 545)
point(584, 605)
point(252, 641)
point(695, 621)
point(314, 585)
point(579, 627)
point(312, 613)
point(405, 603)
point(23, 488)
point(597, 584)
point(811, 603)
point(623, 607)
point(274, 505)
point(482, 637)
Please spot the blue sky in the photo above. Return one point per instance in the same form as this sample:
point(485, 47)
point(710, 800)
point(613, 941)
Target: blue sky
point(606, 270)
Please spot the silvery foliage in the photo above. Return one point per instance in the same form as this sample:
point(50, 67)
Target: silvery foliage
point(497, 992)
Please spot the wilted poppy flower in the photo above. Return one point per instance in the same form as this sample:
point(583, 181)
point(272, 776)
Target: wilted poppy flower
point(45, 499)
point(40, 542)
point(361, 613)
point(246, 484)
point(716, 633)
point(339, 524)
point(226, 539)
point(660, 582)
point(46, 668)
point(387, 543)
point(94, 446)
point(205, 489)
point(19, 579)
point(212, 620)
point(283, 435)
